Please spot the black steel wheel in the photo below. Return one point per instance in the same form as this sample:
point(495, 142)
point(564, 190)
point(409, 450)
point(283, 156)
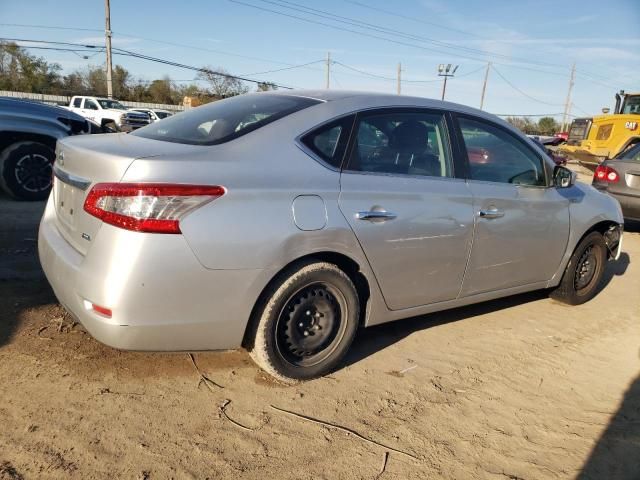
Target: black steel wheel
point(310, 325)
point(306, 322)
point(584, 271)
point(25, 170)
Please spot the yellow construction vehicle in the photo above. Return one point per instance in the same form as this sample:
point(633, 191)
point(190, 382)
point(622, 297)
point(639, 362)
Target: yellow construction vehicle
point(593, 140)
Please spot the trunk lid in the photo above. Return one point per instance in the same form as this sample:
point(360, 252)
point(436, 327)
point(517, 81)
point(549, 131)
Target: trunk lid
point(85, 160)
point(629, 183)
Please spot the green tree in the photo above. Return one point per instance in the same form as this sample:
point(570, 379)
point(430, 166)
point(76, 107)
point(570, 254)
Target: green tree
point(548, 126)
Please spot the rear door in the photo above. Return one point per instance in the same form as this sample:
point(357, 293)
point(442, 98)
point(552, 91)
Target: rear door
point(90, 109)
point(411, 215)
point(521, 223)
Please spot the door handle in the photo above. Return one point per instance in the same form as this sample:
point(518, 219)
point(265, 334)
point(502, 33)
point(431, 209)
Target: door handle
point(491, 213)
point(375, 215)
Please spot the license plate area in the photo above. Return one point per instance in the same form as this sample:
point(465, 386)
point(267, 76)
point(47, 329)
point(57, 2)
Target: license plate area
point(66, 198)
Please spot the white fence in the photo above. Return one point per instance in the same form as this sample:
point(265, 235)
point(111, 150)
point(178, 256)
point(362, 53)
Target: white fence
point(64, 100)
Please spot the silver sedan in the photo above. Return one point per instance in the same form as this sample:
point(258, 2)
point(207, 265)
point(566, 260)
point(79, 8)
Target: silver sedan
point(283, 222)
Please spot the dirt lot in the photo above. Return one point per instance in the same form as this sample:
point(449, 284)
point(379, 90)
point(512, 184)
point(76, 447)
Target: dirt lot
point(521, 388)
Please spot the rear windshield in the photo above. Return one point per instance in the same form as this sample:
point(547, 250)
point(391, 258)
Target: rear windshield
point(224, 120)
point(632, 153)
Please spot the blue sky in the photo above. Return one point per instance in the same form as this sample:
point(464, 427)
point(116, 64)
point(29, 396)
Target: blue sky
point(531, 44)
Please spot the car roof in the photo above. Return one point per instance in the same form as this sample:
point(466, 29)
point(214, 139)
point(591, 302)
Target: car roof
point(367, 99)
point(36, 107)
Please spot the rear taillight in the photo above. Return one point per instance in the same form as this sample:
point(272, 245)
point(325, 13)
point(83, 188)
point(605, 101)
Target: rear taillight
point(147, 207)
point(606, 174)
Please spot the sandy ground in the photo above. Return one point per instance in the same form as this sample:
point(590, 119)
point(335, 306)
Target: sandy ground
point(520, 388)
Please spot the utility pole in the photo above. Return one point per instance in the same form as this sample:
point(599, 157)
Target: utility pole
point(399, 78)
point(567, 103)
point(446, 71)
point(484, 85)
point(107, 33)
point(328, 72)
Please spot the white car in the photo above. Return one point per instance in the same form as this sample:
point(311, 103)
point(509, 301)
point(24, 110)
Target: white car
point(155, 114)
point(110, 114)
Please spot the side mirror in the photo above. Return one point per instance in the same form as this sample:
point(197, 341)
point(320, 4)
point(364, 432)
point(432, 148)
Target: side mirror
point(563, 177)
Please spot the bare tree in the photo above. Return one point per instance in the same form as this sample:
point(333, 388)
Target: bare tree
point(222, 85)
point(266, 86)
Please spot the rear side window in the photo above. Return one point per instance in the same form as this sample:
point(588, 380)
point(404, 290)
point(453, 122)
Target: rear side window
point(77, 102)
point(224, 120)
point(90, 104)
point(329, 142)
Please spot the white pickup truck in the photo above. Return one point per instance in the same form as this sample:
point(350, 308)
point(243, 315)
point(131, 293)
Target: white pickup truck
point(108, 113)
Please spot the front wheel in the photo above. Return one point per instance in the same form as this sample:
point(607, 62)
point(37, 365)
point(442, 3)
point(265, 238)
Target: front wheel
point(306, 323)
point(584, 271)
point(110, 127)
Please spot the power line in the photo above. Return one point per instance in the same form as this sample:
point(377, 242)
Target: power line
point(285, 68)
point(406, 17)
point(521, 92)
point(389, 31)
point(590, 76)
point(587, 76)
point(530, 115)
point(368, 74)
point(50, 27)
point(123, 52)
point(163, 42)
point(394, 79)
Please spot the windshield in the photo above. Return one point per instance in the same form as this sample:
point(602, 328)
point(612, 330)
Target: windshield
point(111, 104)
point(224, 120)
point(632, 105)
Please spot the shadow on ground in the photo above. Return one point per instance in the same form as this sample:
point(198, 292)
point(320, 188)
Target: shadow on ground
point(22, 282)
point(374, 339)
point(617, 453)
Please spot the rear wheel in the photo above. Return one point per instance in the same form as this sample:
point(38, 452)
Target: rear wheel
point(306, 323)
point(584, 271)
point(25, 170)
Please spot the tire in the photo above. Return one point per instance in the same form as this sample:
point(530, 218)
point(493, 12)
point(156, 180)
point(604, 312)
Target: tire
point(581, 280)
point(110, 127)
point(25, 170)
point(306, 322)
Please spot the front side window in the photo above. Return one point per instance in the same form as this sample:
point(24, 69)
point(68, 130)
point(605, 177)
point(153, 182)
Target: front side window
point(497, 156)
point(404, 143)
point(224, 120)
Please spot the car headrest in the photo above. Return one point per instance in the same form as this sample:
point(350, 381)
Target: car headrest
point(410, 134)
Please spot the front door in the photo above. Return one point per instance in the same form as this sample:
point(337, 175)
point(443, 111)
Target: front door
point(521, 224)
point(413, 219)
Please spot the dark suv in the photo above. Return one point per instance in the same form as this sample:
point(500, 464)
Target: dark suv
point(28, 135)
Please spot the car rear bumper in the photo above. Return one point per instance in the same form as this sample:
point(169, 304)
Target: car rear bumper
point(162, 298)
